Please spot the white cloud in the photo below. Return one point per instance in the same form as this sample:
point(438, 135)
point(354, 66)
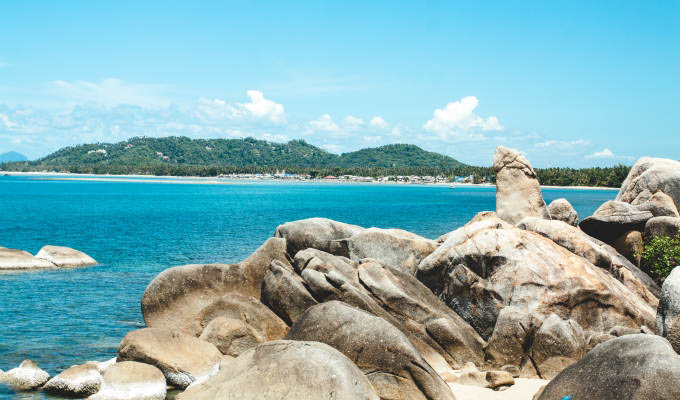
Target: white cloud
point(323, 124)
point(352, 122)
point(372, 139)
point(112, 92)
point(275, 138)
point(259, 107)
point(5, 120)
point(561, 144)
point(378, 122)
point(606, 153)
point(333, 148)
point(457, 119)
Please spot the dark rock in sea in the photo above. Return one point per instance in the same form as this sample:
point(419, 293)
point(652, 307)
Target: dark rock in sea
point(631, 367)
point(77, 381)
point(286, 370)
point(391, 363)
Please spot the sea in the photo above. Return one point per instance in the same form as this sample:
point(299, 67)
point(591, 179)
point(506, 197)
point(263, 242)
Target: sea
point(135, 229)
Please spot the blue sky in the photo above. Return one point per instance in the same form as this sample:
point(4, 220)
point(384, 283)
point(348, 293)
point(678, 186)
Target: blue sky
point(568, 83)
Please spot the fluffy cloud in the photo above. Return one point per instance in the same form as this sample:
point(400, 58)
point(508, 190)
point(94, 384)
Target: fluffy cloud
point(259, 108)
point(275, 138)
point(378, 122)
point(323, 124)
point(457, 120)
point(5, 120)
point(352, 122)
point(606, 153)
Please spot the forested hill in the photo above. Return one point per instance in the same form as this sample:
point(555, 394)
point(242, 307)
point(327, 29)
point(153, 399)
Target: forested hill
point(248, 155)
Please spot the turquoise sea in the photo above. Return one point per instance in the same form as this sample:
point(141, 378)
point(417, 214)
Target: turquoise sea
point(135, 230)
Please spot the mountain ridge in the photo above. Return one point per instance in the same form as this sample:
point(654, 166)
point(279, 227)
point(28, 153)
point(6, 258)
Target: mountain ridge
point(12, 156)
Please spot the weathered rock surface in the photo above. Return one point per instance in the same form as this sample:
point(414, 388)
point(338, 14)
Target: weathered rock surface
point(383, 352)
point(518, 194)
point(668, 313)
point(27, 376)
point(177, 295)
point(231, 336)
point(393, 247)
point(286, 370)
point(442, 337)
point(562, 210)
point(557, 339)
point(130, 380)
point(77, 381)
point(652, 175)
point(182, 358)
point(488, 266)
point(17, 260)
point(284, 292)
point(632, 367)
point(317, 233)
point(662, 226)
point(613, 219)
point(630, 245)
point(65, 257)
point(659, 204)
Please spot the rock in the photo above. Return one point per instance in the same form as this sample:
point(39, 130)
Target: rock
point(130, 380)
point(382, 351)
point(557, 338)
point(518, 194)
point(613, 219)
point(65, 257)
point(286, 370)
point(231, 336)
point(284, 292)
point(182, 358)
point(102, 365)
point(662, 226)
point(511, 369)
point(177, 295)
point(317, 233)
point(652, 175)
point(668, 314)
point(488, 266)
point(27, 376)
point(659, 204)
point(562, 210)
point(632, 367)
point(630, 245)
point(393, 247)
point(77, 381)
point(496, 379)
point(597, 253)
point(17, 260)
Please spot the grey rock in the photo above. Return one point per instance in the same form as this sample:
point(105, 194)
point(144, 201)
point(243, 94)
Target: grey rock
point(562, 210)
point(232, 337)
point(284, 292)
point(317, 233)
point(130, 380)
point(518, 194)
point(632, 367)
point(382, 351)
point(19, 260)
point(659, 204)
point(557, 338)
point(662, 226)
point(652, 175)
point(77, 381)
point(65, 256)
point(668, 314)
point(286, 370)
point(613, 219)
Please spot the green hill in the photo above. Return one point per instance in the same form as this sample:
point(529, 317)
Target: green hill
point(144, 154)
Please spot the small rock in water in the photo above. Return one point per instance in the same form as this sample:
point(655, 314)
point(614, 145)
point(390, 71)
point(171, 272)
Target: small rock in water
point(130, 380)
point(27, 376)
point(77, 381)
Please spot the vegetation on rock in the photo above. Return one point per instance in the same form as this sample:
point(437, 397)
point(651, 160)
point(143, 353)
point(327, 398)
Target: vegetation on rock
point(660, 255)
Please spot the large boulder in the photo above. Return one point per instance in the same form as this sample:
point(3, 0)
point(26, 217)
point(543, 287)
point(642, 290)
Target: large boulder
point(393, 366)
point(562, 210)
point(182, 358)
point(557, 340)
point(77, 381)
point(662, 226)
point(232, 337)
point(668, 313)
point(613, 219)
point(27, 376)
point(177, 295)
point(286, 370)
point(659, 204)
point(284, 292)
point(130, 380)
point(631, 367)
point(17, 260)
point(518, 194)
point(318, 233)
point(597, 253)
point(489, 265)
point(65, 256)
point(652, 175)
point(630, 245)
point(394, 247)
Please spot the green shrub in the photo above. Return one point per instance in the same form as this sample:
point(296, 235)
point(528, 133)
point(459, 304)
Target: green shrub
point(660, 255)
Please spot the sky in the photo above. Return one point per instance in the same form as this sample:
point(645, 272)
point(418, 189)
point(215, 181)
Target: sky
point(568, 83)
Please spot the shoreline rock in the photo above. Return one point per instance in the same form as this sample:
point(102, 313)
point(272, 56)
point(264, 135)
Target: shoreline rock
point(49, 257)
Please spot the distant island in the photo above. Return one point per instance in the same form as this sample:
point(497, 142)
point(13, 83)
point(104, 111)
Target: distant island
point(183, 156)
point(12, 156)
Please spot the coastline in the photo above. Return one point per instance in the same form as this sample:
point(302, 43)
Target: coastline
point(200, 180)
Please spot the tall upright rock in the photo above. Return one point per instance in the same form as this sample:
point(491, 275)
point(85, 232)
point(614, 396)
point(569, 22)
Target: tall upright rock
point(518, 193)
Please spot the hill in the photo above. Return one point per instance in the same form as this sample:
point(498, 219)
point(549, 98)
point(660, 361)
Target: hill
point(150, 155)
point(12, 156)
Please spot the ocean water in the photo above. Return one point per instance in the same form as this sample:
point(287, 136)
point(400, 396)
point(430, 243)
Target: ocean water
point(135, 230)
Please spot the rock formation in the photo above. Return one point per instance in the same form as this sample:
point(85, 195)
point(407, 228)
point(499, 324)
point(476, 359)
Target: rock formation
point(649, 176)
point(65, 257)
point(131, 380)
point(518, 194)
point(48, 257)
point(27, 376)
point(77, 381)
point(562, 210)
point(668, 313)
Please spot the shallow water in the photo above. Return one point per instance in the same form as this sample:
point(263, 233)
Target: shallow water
point(135, 230)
